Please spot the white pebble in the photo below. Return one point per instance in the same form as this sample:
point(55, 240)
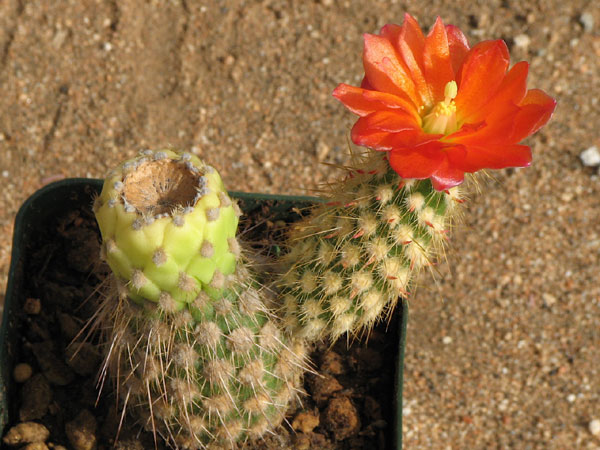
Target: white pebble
point(522, 41)
point(446, 340)
point(590, 157)
point(571, 398)
point(5, 173)
point(587, 20)
point(594, 427)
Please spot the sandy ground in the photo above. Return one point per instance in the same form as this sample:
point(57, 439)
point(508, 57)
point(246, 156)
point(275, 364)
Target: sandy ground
point(504, 348)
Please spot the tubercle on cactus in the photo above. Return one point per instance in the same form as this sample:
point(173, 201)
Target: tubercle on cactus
point(352, 258)
point(190, 344)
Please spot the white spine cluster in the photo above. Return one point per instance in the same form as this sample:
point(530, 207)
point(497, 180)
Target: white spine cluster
point(354, 256)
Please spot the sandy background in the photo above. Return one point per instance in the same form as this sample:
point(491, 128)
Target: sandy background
point(504, 350)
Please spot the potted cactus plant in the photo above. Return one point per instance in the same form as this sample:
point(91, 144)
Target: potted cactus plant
point(48, 232)
point(206, 350)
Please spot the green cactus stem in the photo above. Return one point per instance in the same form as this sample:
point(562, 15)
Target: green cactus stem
point(354, 256)
point(193, 351)
point(168, 226)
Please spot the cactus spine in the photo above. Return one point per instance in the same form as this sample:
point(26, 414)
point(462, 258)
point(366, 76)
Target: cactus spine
point(354, 256)
point(191, 346)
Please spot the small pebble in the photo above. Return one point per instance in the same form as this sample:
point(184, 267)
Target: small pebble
point(229, 60)
point(590, 157)
point(68, 326)
point(571, 398)
point(549, 299)
point(83, 358)
point(305, 421)
point(22, 372)
point(332, 363)
point(56, 371)
point(26, 433)
point(36, 397)
point(81, 431)
point(446, 340)
point(341, 418)
point(594, 427)
point(32, 306)
point(323, 386)
point(302, 442)
point(587, 21)
point(522, 41)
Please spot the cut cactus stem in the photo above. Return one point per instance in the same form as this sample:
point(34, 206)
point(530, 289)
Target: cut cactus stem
point(193, 351)
point(355, 255)
point(156, 214)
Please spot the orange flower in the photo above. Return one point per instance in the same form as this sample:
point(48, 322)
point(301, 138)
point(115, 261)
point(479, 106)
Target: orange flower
point(440, 108)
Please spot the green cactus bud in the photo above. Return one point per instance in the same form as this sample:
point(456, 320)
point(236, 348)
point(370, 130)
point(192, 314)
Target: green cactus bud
point(354, 256)
point(195, 356)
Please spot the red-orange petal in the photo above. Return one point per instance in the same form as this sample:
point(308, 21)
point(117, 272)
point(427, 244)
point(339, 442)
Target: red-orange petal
point(411, 139)
point(499, 125)
point(364, 101)
point(536, 109)
point(459, 48)
point(412, 34)
point(499, 112)
point(496, 157)
point(511, 92)
point(436, 60)
point(373, 130)
point(370, 137)
point(392, 121)
point(391, 32)
point(481, 74)
point(509, 123)
point(384, 70)
point(432, 161)
point(514, 86)
point(419, 163)
point(411, 46)
point(447, 176)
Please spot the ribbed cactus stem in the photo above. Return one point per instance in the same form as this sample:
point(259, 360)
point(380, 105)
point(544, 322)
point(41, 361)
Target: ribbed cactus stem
point(190, 344)
point(168, 226)
point(355, 255)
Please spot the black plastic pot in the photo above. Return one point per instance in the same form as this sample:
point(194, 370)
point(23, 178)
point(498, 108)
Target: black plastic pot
point(60, 197)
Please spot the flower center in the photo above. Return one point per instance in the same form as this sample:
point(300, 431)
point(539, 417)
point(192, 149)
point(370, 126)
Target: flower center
point(441, 119)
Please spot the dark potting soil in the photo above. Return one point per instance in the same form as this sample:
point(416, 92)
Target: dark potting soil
point(349, 405)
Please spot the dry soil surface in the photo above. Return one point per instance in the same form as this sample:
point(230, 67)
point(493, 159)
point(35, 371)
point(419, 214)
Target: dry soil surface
point(504, 346)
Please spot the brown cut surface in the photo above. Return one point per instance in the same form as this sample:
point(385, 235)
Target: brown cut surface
point(503, 347)
point(159, 187)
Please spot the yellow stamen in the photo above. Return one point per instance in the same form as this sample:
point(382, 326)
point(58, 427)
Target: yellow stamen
point(442, 117)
